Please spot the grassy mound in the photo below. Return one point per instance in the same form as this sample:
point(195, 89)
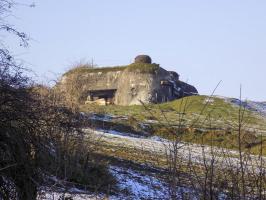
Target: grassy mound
point(204, 119)
point(195, 109)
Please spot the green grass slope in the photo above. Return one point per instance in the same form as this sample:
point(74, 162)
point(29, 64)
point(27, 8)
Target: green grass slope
point(204, 120)
point(195, 110)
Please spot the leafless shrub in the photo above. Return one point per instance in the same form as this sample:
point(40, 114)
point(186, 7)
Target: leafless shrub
point(40, 134)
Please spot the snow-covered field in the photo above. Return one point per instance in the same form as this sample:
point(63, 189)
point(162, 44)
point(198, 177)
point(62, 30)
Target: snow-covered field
point(133, 184)
point(138, 184)
point(256, 106)
point(187, 152)
point(48, 195)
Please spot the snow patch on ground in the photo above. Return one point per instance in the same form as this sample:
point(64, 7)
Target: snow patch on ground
point(73, 194)
point(138, 185)
point(256, 106)
point(132, 183)
point(105, 118)
point(114, 132)
point(145, 186)
point(198, 154)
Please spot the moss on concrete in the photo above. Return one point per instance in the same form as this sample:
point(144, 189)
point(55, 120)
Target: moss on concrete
point(134, 67)
point(143, 68)
point(86, 69)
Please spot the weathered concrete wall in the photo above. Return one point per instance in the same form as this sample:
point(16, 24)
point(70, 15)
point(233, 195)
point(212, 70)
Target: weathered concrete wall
point(97, 80)
point(136, 87)
point(133, 87)
point(92, 81)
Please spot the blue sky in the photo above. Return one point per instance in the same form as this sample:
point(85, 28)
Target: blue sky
point(205, 41)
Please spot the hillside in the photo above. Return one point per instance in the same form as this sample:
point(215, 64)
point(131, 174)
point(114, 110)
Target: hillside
point(136, 142)
point(196, 119)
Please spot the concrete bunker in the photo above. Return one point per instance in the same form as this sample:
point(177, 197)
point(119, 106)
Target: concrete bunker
point(141, 81)
point(101, 97)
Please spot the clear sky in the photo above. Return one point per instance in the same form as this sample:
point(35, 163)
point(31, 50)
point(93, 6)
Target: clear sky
point(205, 41)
